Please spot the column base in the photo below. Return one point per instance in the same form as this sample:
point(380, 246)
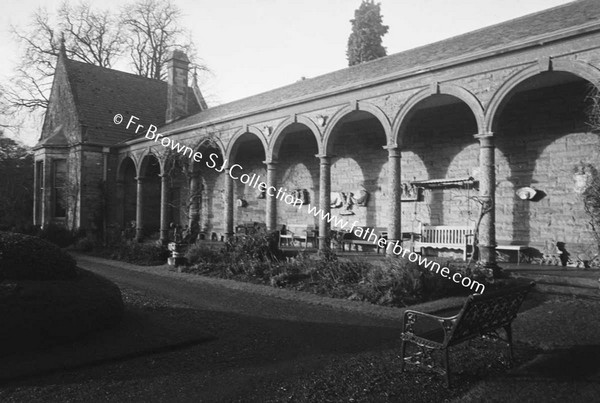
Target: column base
point(324, 243)
point(490, 269)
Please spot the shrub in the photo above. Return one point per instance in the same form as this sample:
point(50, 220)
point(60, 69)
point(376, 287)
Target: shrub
point(140, 253)
point(85, 244)
point(25, 257)
point(57, 235)
point(260, 246)
point(198, 253)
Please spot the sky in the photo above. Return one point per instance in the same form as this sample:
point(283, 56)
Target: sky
point(252, 46)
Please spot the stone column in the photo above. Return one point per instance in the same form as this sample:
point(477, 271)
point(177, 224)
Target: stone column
point(195, 195)
point(164, 209)
point(395, 191)
point(324, 200)
point(139, 209)
point(271, 201)
point(228, 204)
point(487, 195)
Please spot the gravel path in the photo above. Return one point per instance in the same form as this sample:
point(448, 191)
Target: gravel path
point(265, 348)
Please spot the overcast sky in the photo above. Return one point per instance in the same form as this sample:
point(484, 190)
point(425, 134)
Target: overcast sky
point(253, 46)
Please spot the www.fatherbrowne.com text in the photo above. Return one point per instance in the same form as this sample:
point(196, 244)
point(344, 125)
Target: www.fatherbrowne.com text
point(236, 172)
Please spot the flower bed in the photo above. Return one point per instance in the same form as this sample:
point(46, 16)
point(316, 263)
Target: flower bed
point(393, 281)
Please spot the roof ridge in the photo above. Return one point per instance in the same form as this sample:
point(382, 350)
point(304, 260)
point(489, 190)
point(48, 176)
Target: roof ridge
point(396, 54)
point(115, 70)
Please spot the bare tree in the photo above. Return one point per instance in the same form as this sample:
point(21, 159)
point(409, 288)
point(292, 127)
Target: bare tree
point(31, 84)
point(153, 29)
point(91, 36)
point(94, 36)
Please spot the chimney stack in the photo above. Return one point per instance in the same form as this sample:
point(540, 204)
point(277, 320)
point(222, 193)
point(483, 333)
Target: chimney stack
point(177, 95)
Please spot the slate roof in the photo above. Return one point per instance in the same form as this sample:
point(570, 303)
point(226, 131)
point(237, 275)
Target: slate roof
point(100, 93)
point(562, 17)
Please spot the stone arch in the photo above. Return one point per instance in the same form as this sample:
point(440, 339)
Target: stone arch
point(441, 89)
point(122, 161)
point(581, 69)
point(211, 141)
point(144, 158)
point(127, 172)
point(277, 138)
point(325, 147)
point(150, 174)
point(206, 142)
point(538, 117)
point(231, 147)
point(294, 148)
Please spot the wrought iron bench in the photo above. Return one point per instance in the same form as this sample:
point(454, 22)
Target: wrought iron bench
point(445, 237)
point(481, 315)
point(365, 238)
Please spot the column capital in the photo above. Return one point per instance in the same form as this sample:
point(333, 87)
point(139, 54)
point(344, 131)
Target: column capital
point(140, 178)
point(485, 135)
point(270, 162)
point(393, 150)
point(325, 159)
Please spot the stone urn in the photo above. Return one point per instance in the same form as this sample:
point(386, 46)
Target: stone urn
point(177, 258)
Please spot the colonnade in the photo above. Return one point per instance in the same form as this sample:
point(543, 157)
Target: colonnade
point(487, 239)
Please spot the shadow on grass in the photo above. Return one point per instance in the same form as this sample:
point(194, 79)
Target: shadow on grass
point(225, 355)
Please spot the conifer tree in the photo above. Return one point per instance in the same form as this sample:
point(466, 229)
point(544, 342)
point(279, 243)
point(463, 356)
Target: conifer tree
point(364, 43)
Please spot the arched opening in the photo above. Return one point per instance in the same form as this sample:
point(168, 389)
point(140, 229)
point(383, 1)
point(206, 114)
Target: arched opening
point(436, 137)
point(150, 171)
point(540, 125)
point(195, 191)
point(126, 194)
point(358, 158)
point(297, 169)
point(176, 170)
point(209, 196)
point(246, 160)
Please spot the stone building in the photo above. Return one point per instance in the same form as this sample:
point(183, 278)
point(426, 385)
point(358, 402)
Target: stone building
point(468, 121)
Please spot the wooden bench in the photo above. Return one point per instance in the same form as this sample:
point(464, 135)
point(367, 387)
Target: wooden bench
point(481, 315)
point(293, 233)
point(365, 238)
point(445, 237)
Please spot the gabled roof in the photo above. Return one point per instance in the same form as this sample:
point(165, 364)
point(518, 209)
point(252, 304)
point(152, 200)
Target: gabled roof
point(567, 16)
point(100, 93)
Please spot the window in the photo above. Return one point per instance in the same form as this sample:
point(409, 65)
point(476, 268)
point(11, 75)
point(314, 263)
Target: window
point(39, 191)
point(59, 188)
